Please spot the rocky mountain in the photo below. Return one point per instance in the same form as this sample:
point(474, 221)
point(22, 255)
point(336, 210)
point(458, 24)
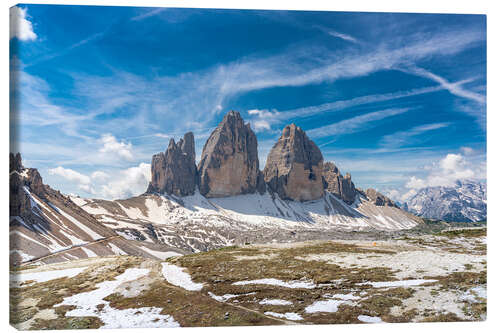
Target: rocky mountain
point(229, 162)
point(48, 226)
point(340, 186)
point(464, 202)
point(294, 166)
point(379, 199)
point(225, 200)
point(174, 172)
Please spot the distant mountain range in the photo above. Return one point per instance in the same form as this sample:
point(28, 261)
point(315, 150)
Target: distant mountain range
point(463, 202)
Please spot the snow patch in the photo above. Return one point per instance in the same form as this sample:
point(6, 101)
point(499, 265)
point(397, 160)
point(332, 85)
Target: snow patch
point(226, 297)
point(368, 319)
point(24, 256)
point(145, 317)
point(45, 276)
point(176, 276)
point(116, 250)
point(403, 283)
point(288, 315)
point(78, 201)
point(324, 306)
point(80, 225)
point(88, 252)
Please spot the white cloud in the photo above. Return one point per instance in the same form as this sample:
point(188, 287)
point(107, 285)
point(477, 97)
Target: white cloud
point(393, 194)
point(20, 26)
point(447, 171)
point(416, 183)
point(467, 150)
point(262, 120)
point(81, 180)
point(129, 182)
point(255, 112)
point(99, 175)
point(70, 175)
point(261, 125)
point(120, 149)
point(444, 172)
point(120, 184)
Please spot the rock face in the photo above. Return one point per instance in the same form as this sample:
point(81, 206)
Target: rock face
point(21, 180)
point(342, 187)
point(379, 199)
point(229, 162)
point(174, 172)
point(294, 166)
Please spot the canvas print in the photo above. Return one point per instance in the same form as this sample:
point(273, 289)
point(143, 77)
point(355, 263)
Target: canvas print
point(175, 167)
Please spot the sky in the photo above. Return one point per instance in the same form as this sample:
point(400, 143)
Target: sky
point(397, 100)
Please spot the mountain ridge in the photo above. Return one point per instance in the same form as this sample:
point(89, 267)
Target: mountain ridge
point(463, 202)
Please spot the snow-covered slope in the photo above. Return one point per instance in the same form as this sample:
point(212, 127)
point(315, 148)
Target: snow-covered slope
point(197, 223)
point(465, 202)
point(47, 225)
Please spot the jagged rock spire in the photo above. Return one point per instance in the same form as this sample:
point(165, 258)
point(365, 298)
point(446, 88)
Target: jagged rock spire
point(342, 187)
point(174, 172)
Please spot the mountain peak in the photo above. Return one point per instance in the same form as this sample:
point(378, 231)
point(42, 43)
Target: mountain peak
point(174, 172)
point(294, 166)
point(229, 162)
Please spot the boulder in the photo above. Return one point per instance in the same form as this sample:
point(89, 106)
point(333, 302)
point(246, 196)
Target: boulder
point(174, 172)
point(294, 166)
point(229, 162)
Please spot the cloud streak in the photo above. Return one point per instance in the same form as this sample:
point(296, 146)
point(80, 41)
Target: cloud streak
point(354, 124)
point(147, 14)
point(343, 36)
point(454, 88)
point(402, 138)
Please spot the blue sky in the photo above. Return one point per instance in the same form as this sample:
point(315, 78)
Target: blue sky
point(397, 100)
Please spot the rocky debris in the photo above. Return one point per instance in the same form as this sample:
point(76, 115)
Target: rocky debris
point(294, 166)
point(342, 187)
point(229, 162)
point(379, 199)
point(174, 172)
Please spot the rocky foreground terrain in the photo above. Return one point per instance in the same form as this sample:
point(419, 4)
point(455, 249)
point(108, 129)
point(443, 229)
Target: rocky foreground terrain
point(433, 277)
